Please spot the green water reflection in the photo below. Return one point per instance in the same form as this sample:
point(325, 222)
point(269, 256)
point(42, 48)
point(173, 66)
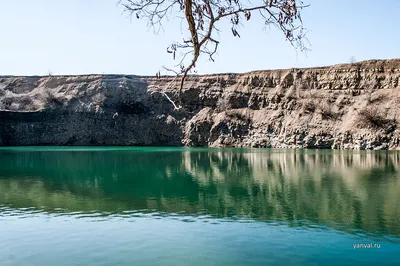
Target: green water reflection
point(351, 191)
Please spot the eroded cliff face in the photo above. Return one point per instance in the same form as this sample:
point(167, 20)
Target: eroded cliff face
point(341, 107)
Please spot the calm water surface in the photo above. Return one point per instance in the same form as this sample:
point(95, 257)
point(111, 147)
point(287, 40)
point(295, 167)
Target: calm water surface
point(181, 206)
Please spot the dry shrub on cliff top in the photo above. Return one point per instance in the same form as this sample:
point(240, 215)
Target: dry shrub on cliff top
point(371, 117)
point(203, 18)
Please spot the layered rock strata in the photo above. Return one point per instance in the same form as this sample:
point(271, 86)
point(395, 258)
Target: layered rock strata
point(350, 106)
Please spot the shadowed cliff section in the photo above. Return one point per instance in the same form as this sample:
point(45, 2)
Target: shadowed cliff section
point(350, 106)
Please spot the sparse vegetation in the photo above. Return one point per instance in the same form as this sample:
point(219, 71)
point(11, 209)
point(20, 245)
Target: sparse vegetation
point(15, 103)
point(25, 101)
point(309, 107)
point(372, 118)
point(5, 103)
point(327, 111)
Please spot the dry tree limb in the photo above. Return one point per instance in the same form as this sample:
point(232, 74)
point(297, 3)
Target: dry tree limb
point(202, 17)
point(166, 96)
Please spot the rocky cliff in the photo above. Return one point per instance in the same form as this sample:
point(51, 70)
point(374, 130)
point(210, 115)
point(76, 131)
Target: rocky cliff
point(352, 106)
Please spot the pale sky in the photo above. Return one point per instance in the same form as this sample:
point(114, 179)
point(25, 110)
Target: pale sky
point(92, 36)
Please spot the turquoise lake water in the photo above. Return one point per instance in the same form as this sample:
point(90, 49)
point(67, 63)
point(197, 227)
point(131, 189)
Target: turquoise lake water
point(198, 206)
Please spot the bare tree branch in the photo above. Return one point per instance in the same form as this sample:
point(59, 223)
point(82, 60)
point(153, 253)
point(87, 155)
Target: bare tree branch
point(202, 17)
point(165, 94)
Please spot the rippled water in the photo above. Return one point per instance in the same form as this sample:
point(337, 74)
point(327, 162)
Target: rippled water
point(181, 206)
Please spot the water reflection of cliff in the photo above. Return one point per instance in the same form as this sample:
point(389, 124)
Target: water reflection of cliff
point(356, 190)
